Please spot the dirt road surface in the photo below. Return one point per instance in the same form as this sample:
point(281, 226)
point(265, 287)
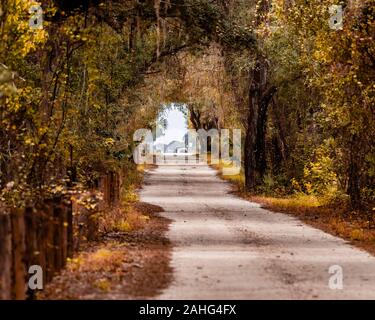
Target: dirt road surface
point(229, 248)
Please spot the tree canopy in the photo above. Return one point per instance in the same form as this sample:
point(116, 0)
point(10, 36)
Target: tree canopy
point(73, 92)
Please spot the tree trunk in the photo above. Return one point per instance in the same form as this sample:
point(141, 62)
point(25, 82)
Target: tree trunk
point(354, 175)
point(255, 139)
point(260, 155)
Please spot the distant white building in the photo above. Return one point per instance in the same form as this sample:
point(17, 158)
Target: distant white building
point(174, 146)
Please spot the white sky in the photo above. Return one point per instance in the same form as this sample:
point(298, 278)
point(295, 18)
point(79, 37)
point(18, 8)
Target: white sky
point(176, 127)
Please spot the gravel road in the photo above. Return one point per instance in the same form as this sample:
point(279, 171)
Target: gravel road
point(227, 248)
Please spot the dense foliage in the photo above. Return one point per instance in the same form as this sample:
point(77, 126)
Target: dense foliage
point(73, 92)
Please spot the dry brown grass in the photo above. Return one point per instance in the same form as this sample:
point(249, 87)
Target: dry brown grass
point(107, 258)
point(356, 227)
point(123, 219)
point(129, 214)
point(120, 265)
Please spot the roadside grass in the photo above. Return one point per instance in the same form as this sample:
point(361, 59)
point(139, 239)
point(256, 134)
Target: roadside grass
point(106, 259)
point(126, 216)
point(130, 253)
point(333, 217)
point(238, 180)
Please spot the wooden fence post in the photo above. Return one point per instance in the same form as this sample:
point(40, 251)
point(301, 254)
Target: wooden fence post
point(70, 230)
point(32, 250)
point(18, 251)
point(57, 235)
point(41, 236)
point(50, 261)
point(5, 256)
point(31, 246)
point(64, 234)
